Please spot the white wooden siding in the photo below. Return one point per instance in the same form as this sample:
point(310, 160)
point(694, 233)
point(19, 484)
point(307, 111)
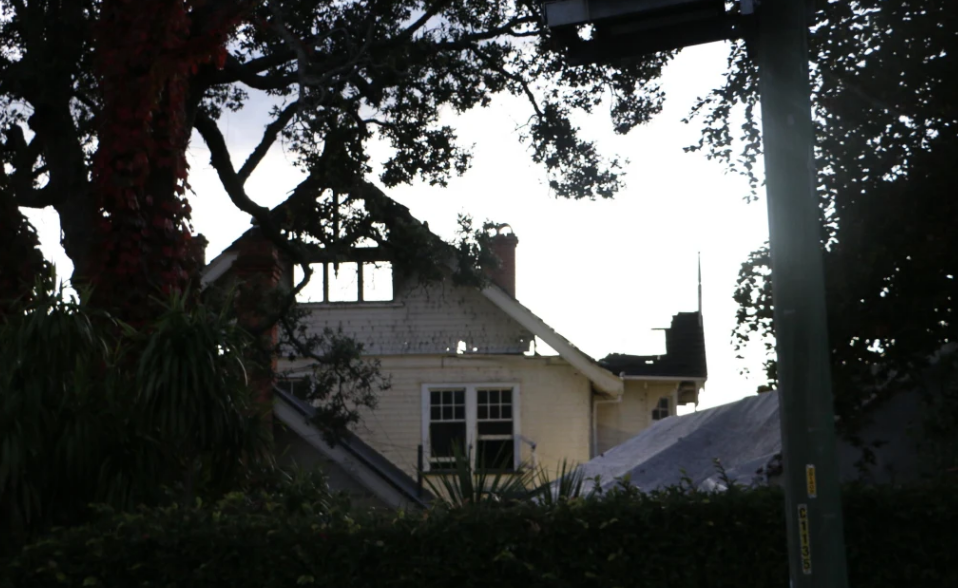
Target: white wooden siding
point(425, 319)
point(553, 407)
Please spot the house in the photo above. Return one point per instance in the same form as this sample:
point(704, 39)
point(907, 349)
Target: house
point(463, 365)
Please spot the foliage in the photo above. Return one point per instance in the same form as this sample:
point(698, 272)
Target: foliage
point(884, 95)
point(464, 484)
point(110, 91)
point(340, 382)
point(895, 537)
point(93, 410)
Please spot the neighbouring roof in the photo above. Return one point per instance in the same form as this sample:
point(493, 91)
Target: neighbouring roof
point(746, 437)
point(684, 353)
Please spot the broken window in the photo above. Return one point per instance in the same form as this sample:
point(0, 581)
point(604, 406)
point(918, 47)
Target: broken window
point(378, 281)
point(478, 421)
point(343, 282)
point(348, 281)
point(661, 410)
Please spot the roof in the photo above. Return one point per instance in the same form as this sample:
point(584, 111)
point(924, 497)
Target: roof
point(384, 206)
point(684, 353)
point(743, 435)
point(371, 462)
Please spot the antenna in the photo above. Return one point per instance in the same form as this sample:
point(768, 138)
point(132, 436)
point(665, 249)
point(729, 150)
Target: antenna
point(700, 287)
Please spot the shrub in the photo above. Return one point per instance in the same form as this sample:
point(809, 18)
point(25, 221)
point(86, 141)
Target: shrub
point(675, 539)
point(92, 410)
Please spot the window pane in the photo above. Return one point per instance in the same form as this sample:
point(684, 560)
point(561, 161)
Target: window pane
point(507, 412)
point(507, 396)
point(447, 397)
point(344, 284)
point(460, 397)
point(313, 291)
point(447, 413)
point(435, 413)
point(483, 397)
point(482, 412)
point(435, 398)
point(493, 396)
point(496, 455)
point(494, 428)
point(461, 413)
point(378, 281)
point(493, 412)
point(444, 436)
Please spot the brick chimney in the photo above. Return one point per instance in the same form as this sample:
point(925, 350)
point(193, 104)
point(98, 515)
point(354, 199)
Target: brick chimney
point(504, 247)
point(258, 268)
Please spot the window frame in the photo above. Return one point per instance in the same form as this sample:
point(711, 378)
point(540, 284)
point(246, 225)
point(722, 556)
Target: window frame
point(325, 273)
point(658, 407)
point(472, 427)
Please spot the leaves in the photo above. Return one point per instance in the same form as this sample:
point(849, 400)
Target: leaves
point(884, 92)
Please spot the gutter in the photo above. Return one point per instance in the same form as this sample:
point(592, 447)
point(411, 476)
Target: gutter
point(595, 420)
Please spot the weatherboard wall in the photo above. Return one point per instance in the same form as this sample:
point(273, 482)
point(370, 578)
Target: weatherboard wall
point(425, 319)
point(618, 422)
point(554, 399)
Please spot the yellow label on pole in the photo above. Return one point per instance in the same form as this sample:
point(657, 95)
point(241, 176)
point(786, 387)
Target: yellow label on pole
point(810, 482)
point(806, 543)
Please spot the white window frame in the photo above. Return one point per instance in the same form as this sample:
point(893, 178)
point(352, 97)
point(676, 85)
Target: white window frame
point(658, 406)
point(472, 420)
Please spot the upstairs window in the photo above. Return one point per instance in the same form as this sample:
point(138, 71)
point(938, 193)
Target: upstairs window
point(346, 282)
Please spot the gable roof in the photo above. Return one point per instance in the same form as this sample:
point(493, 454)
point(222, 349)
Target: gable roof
point(389, 483)
point(684, 353)
point(384, 207)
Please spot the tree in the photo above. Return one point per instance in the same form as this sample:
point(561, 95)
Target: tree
point(885, 109)
point(109, 92)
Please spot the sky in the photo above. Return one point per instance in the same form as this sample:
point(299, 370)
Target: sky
point(604, 274)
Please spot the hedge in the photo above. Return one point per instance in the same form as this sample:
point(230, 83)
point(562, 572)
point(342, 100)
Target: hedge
point(895, 537)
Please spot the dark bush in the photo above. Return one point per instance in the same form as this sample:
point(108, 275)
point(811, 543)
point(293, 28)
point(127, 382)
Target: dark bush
point(896, 537)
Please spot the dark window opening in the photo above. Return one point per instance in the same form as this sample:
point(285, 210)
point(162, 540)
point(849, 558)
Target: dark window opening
point(661, 410)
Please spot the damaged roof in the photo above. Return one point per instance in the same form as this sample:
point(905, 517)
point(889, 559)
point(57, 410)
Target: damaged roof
point(684, 353)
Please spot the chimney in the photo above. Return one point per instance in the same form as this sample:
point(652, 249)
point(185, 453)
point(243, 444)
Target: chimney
point(258, 267)
point(504, 247)
point(198, 246)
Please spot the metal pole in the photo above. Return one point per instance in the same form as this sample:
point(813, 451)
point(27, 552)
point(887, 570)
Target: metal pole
point(812, 494)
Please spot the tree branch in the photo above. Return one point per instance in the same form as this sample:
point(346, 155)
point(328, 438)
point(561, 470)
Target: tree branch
point(515, 78)
point(269, 137)
point(23, 156)
point(422, 20)
point(223, 164)
point(248, 75)
point(220, 160)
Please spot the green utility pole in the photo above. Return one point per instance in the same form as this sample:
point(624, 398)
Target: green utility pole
point(812, 495)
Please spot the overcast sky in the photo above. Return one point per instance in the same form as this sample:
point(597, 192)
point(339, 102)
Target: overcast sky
point(604, 274)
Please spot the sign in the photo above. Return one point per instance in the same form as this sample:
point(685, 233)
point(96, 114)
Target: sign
point(804, 540)
point(810, 484)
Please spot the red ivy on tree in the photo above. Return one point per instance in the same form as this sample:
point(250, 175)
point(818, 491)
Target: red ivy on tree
point(146, 53)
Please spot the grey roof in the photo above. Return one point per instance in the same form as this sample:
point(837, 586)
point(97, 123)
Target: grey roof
point(684, 353)
point(744, 435)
